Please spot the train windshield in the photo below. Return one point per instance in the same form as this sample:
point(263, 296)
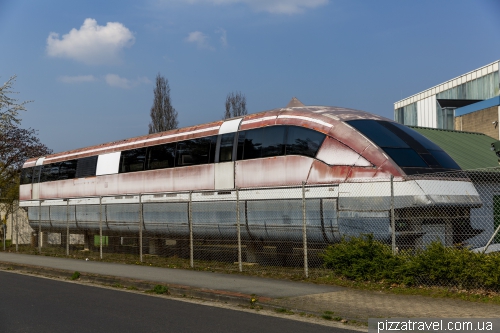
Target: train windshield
point(412, 151)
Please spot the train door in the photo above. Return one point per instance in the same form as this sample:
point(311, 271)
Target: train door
point(35, 192)
point(225, 155)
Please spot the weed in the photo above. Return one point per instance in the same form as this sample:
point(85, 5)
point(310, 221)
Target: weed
point(159, 289)
point(284, 311)
point(132, 288)
point(326, 316)
point(75, 276)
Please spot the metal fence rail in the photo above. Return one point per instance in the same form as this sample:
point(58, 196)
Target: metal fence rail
point(270, 229)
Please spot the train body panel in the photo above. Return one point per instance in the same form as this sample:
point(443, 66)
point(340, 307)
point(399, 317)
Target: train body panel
point(347, 156)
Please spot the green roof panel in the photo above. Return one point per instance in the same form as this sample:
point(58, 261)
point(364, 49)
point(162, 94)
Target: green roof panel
point(470, 150)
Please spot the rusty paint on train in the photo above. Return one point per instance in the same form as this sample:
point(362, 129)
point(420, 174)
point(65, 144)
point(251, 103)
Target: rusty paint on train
point(344, 154)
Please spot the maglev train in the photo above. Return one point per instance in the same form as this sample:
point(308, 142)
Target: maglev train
point(344, 157)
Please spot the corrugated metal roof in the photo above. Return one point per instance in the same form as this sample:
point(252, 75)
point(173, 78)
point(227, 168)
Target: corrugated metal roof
point(470, 150)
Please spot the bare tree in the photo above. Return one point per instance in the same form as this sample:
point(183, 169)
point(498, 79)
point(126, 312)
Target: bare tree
point(236, 105)
point(9, 107)
point(163, 114)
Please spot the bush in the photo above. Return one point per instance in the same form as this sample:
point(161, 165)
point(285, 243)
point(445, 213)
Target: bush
point(362, 258)
point(365, 259)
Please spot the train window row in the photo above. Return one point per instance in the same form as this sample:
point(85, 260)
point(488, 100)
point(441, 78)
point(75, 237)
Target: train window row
point(176, 154)
point(409, 149)
point(255, 143)
point(78, 168)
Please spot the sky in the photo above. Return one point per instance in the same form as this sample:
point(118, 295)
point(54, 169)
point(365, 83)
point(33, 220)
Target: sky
point(89, 67)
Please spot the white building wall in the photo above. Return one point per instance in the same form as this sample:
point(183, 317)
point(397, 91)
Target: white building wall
point(426, 109)
point(485, 70)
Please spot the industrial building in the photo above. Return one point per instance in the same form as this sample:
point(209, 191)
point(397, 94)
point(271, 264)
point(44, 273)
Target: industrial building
point(468, 102)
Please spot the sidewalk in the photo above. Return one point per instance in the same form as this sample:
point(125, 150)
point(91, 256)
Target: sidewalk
point(296, 296)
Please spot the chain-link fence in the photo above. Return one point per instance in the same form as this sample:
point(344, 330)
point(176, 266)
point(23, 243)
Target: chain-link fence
point(293, 229)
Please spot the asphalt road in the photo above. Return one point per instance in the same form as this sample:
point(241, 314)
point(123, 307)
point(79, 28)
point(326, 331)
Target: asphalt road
point(32, 304)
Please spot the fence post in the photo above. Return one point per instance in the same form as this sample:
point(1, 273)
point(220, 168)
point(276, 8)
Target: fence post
point(393, 223)
point(100, 227)
point(190, 221)
point(12, 225)
point(67, 227)
point(238, 228)
point(39, 226)
point(140, 227)
point(17, 229)
point(304, 229)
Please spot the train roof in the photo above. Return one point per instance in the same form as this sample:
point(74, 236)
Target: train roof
point(320, 118)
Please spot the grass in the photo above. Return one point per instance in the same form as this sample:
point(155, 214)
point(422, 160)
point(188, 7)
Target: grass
point(284, 311)
point(159, 289)
point(316, 275)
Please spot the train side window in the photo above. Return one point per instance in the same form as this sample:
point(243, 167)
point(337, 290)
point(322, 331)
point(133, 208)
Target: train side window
point(26, 176)
point(49, 172)
point(303, 141)
point(226, 147)
point(86, 167)
point(196, 151)
point(250, 144)
point(67, 170)
point(273, 141)
point(261, 142)
point(53, 172)
point(377, 133)
point(132, 160)
point(406, 157)
point(161, 156)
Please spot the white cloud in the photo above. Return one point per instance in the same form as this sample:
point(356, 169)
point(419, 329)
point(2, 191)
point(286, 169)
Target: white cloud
point(270, 6)
point(92, 43)
point(223, 36)
point(114, 80)
point(77, 79)
point(200, 39)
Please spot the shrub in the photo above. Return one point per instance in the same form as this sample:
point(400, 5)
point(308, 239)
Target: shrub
point(365, 259)
point(362, 258)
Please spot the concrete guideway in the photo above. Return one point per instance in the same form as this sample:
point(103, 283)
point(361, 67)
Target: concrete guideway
point(344, 302)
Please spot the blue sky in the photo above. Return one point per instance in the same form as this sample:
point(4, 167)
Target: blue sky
point(89, 66)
